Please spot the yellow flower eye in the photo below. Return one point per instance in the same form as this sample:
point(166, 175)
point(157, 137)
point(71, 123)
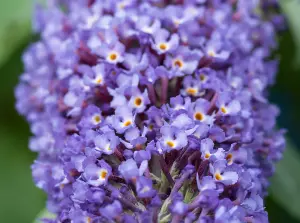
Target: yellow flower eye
point(199, 116)
point(207, 155)
point(191, 91)
point(88, 220)
point(98, 80)
point(163, 46)
point(178, 63)
point(202, 77)
point(229, 156)
point(171, 144)
point(113, 56)
point(223, 110)
point(218, 176)
point(211, 53)
point(138, 101)
point(151, 126)
point(127, 123)
point(97, 119)
point(103, 174)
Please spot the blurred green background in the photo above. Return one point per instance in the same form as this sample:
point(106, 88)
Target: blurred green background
point(20, 201)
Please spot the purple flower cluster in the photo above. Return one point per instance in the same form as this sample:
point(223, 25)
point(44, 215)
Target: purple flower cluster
point(152, 111)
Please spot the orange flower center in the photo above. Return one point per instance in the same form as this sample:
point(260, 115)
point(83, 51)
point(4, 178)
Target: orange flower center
point(163, 46)
point(191, 91)
point(113, 56)
point(97, 118)
point(211, 53)
point(99, 80)
point(127, 123)
point(207, 155)
point(218, 176)
point(202, 77)
point(199, 116)
point(138, 101)
point(229, 156)
point(171, 144)
point(151, 127)
point(178, 63)
point(223, 110)
point(103, 174)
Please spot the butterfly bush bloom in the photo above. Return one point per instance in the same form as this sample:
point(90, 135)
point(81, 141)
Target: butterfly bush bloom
point(152, 111)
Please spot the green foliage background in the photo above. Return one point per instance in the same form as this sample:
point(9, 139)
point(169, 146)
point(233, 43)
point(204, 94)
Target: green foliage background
point(20, 201)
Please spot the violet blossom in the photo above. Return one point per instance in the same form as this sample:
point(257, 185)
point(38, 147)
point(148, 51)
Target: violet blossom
point(152, 111)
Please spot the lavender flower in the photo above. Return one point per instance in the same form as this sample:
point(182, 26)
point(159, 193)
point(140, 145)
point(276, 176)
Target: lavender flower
point(152, 111)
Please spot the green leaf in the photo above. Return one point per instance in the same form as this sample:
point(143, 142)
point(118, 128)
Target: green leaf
point(285, 184)
point(291, 9)
point(44, 214)
point(15, 17)
point(20, 199)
